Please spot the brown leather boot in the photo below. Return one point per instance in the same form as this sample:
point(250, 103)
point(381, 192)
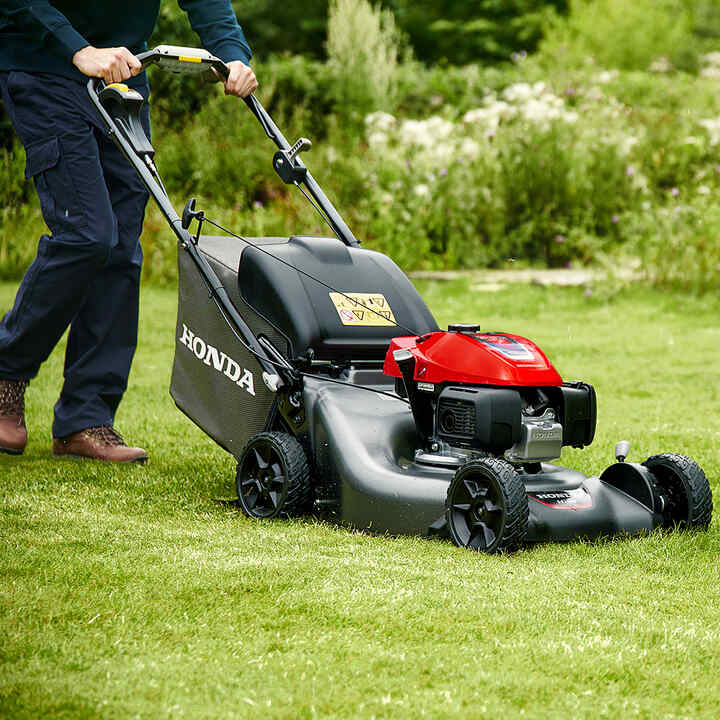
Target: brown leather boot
point(98, 443)
point(13, 433)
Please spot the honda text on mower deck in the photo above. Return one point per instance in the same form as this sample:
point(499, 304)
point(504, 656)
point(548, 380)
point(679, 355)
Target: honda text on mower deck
point(320, 368)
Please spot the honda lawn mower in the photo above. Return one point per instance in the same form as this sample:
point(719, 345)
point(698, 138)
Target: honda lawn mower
point(319, 367)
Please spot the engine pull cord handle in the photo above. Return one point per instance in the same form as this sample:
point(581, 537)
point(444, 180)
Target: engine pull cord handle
point(301, 145)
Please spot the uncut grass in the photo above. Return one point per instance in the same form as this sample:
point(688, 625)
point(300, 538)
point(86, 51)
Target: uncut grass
point(132, 592)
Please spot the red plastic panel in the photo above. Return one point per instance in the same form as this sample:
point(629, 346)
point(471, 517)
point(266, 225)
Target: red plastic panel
point(475, 358)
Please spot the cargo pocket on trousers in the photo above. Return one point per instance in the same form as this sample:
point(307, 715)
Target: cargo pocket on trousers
point(54, 185)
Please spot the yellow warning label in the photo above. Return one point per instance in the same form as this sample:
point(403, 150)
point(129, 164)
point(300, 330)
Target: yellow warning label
point(187, 58)
point(363, 309)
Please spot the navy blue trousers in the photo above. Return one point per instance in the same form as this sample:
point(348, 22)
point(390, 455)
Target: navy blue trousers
point(86, 275)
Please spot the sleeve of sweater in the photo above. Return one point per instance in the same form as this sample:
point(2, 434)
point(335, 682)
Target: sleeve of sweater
point(42, 17)
point(215, 22)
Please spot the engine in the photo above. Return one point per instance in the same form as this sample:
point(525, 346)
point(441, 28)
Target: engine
point(490, 392)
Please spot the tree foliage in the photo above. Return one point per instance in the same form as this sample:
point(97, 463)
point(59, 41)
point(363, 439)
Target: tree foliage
point(457, 31)
point(462, 32)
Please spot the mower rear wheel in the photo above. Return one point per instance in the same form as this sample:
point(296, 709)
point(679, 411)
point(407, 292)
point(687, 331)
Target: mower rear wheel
point(487, 506)
point(273, 478)
point(685, 490)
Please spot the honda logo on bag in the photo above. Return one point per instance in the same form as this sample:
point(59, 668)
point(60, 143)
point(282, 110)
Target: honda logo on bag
point(218, 360)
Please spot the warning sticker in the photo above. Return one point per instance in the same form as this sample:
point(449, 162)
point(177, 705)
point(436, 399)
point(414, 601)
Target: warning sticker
point(363, 309)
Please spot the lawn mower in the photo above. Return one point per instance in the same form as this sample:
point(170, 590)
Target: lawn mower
point(318, 366)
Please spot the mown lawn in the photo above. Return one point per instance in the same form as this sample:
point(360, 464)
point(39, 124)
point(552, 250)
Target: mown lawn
point(133, 592)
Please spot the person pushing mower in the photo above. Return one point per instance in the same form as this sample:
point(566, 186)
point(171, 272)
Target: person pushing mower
point(87, 271)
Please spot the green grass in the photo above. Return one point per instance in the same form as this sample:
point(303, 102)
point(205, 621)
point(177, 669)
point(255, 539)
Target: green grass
point(132, 592)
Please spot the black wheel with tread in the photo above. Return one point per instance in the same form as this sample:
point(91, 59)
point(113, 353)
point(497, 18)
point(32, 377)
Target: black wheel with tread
point(685, 489)
point(487, 506)
point(273, 478)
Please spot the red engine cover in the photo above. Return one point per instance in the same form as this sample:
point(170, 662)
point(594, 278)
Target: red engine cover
point(475, 358)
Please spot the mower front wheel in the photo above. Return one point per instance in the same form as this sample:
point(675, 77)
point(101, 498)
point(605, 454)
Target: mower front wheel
point(487, 506)
point(273, 478)
point(685, 490)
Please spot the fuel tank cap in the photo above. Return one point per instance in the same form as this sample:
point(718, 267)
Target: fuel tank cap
point(464, 328)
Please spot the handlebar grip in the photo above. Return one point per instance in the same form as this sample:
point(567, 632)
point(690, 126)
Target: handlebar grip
point(182, 60)
point(222, 68)
point(146, 58)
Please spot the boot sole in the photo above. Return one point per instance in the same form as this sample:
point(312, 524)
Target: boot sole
point(11, 451)
point(136, 461)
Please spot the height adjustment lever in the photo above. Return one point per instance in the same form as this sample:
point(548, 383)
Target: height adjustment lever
point(290, 170)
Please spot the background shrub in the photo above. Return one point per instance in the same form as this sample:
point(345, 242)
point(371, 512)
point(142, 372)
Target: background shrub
point(551, 159)
point(633, 36)
point(364, 46)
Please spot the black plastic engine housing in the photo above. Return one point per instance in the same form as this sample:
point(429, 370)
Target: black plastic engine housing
point(577, 412)
point(488, 418)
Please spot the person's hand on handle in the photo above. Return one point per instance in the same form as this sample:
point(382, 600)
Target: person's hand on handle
point(111, 64)
point(241, 81)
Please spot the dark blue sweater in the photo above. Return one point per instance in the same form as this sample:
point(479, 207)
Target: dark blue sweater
point(38, 36)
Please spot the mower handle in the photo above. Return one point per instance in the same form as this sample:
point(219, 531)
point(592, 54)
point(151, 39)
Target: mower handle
point(194, 61)
point(287, 164)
